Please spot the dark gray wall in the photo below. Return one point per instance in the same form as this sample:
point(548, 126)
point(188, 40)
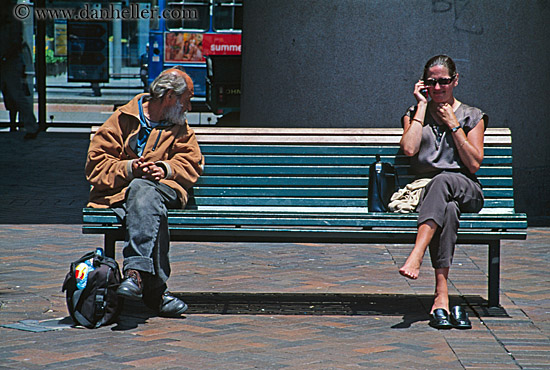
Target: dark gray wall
point(353, 63)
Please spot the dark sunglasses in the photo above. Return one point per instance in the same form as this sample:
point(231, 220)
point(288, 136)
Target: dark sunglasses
point(440, 81)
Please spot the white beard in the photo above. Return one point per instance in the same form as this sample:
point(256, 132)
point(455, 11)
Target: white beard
point(176, 115)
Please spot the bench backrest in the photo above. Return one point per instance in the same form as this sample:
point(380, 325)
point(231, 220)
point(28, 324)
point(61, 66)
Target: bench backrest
point(320, 169)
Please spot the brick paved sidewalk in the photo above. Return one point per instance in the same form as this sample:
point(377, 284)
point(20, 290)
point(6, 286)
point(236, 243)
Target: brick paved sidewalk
point(295, 306)
point(358, 311)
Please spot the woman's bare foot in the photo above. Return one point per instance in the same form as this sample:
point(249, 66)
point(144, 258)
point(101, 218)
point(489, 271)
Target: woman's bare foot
point(411, 268)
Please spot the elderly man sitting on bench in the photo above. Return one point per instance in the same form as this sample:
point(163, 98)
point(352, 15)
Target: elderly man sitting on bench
point(141, 162)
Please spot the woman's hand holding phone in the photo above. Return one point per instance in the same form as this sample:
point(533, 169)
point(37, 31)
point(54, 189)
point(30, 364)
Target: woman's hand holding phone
point(421, 92)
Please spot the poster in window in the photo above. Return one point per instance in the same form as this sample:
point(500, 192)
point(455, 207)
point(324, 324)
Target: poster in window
point(183, 47)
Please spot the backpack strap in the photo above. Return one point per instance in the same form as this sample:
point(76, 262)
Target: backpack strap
point(100, 300)
point(99, 303)
point(83, 321)
point(80, 319)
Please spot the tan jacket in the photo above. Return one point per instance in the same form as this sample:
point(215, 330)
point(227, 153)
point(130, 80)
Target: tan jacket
point(108, 166)
point(406, 200)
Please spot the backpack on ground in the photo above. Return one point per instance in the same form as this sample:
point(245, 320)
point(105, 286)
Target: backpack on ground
point(90, 287)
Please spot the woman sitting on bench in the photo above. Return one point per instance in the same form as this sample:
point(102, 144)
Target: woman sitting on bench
point(444, 137)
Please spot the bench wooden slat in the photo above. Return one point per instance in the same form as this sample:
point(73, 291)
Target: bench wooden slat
point(312, 132)
point(232, 234)
point(497, 151)
point(323, 150)
point(319, 135)
point(310, 202)
point(358, 219)
point(203, 191)
point(321, 139)
point(349, 210)
point(234, 159)
point(326, 150)
point(486, 173)
point(288, 202)
point(256, 181)
point(313, 212)
point(340, 170)
point(359, 192)
point(388, 227)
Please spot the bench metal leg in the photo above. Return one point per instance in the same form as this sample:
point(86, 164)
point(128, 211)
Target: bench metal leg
point(109, 245)
point(494, 273)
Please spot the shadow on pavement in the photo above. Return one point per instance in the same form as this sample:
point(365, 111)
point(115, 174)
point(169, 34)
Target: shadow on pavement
point(43, 180)
point(412, 308)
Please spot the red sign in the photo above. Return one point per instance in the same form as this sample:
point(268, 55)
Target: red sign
point(192, 47)
point(222, 44)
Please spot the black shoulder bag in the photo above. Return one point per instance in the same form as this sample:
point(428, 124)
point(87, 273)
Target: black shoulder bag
point(382, 181)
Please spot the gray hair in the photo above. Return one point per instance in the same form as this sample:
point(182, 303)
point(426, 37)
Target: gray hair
point(166, 82)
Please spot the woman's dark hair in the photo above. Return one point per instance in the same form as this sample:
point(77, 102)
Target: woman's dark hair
point(440, 60)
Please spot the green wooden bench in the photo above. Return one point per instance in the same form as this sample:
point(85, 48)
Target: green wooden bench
point(310, 185)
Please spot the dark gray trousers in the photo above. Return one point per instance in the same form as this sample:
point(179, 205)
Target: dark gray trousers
point(443, 200)
point(147, 242)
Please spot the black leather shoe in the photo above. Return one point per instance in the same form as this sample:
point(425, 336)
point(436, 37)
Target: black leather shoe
point(439, 319)
point(459, 318)
point(171, 306)
point(131, 287)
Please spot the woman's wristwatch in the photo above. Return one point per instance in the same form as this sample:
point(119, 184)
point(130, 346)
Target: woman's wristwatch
point(455, 129)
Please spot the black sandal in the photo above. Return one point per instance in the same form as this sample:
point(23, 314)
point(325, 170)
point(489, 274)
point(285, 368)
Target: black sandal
point(459, 318)
point(439, 319)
